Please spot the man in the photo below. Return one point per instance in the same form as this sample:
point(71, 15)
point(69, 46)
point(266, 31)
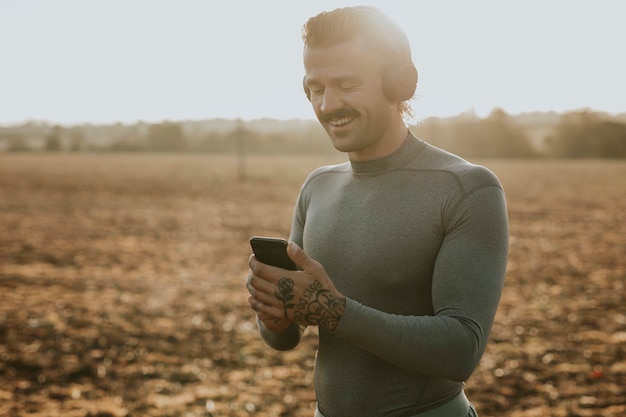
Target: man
point(402, 250)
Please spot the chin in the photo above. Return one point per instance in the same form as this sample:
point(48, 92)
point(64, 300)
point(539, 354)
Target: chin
point(343, 144)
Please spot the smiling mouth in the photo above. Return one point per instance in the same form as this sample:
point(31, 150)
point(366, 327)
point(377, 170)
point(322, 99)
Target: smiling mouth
point(341, 122)
point(339, 118)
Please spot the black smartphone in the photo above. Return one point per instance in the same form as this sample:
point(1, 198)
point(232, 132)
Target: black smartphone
point(272, 251)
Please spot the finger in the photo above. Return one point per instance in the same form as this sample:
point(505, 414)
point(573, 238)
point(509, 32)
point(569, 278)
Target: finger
point(268, 317)
point(267, 299)
point(258, 284)
point(249, 282)
point(300, 258)
point(251, 261)
point(254, 304)
point(267, 312)
point(257, 266)
point(266, 271)
point(257, 305)
point(264, 311)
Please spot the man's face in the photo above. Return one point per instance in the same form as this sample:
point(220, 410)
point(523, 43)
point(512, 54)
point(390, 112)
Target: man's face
point(345, 82)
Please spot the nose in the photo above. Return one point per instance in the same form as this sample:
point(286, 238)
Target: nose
point(331, 101)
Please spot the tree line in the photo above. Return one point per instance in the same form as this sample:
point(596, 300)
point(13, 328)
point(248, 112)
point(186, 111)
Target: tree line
point(582, 134)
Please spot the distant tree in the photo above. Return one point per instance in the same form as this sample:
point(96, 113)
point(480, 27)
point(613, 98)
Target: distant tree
point(497, 136)
point(611, 139)
point(504, 137)
point(127, 145)
point(53, 140)
point(214, 142)
point(166, 137)
point(241, 138)
point(587, 135)
point(77, 140)
point(316, 140)
point(17, 143)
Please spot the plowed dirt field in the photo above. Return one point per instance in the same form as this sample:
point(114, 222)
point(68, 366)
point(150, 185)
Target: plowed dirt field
point(122, 289)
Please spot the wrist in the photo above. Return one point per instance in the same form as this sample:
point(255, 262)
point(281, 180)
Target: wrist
point(336, 306)
point(286, 340)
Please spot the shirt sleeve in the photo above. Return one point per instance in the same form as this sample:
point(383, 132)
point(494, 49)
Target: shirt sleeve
point(466, 287)
point(286, 340)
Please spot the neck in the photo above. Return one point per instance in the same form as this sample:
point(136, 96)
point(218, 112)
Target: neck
point(409, 149)
point(390, 142)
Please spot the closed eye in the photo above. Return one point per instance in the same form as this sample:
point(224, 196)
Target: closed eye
point(345, 85)
point(348, 85)
point(316, 89)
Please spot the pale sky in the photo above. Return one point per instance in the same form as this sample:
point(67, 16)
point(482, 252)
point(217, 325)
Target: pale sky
point(75, 61)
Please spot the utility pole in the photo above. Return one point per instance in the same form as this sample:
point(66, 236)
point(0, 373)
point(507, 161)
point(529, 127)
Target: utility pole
point(240, 133)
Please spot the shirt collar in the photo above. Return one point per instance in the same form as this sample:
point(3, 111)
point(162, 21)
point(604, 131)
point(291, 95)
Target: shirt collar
point(409, 149)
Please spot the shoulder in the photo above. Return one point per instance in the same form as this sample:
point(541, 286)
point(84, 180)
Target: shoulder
point(321, 181)
point(326, 172)
point(467, 175)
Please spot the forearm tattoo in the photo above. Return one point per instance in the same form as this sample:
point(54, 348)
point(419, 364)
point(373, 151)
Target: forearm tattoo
point(317, 306)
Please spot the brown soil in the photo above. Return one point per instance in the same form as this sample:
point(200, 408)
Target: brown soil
point(121, 289)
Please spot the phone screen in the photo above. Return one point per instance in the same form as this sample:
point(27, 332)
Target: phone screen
point(272, 251)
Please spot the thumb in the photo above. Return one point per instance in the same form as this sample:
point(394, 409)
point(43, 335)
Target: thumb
point(299, 257)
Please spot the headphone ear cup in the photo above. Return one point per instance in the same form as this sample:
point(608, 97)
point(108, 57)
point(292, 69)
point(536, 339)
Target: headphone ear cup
point(307, 91)
point(400, 82)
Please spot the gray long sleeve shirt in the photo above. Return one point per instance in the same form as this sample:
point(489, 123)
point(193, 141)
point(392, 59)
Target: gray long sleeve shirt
point(417, 242)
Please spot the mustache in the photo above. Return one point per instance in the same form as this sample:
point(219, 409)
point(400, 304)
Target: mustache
point(339, 114)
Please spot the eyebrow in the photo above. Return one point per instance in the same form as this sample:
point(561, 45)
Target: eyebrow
point(338, 80)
